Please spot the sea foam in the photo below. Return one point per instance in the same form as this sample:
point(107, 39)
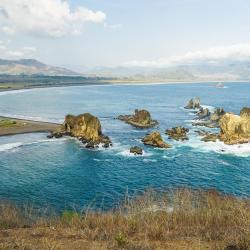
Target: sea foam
point(14, 145)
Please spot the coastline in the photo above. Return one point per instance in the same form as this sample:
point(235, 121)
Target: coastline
point(17, 126)
point(114, 82)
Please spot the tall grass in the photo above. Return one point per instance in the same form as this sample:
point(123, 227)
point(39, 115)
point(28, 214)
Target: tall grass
point(181, 219)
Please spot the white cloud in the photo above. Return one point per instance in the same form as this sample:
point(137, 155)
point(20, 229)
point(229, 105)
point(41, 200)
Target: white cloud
point(15, 53)
point(8, 30)
point(30, 49)
point(239, 52)
point(8, 52)
point(112, 26)
point(52, 18)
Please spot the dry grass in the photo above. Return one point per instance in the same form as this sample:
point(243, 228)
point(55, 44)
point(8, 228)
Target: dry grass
point(181, 219)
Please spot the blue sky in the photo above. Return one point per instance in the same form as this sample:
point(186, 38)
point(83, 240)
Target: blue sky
point(123, 32)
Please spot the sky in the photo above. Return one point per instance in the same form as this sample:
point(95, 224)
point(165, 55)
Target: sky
point(154, 33)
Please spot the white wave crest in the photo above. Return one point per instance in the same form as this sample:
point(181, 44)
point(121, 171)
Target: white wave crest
point(14, 145)
point(240, 150)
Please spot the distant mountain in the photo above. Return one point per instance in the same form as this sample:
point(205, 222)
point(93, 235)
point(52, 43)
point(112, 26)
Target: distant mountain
point(32, 67)
point(215, 71)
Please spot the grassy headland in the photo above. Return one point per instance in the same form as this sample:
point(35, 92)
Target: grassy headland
point(182, 219)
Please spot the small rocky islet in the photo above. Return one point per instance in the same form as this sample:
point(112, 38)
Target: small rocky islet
point(140, 119)
point(234, 129)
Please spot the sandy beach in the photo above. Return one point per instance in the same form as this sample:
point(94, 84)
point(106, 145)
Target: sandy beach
point(13, 126)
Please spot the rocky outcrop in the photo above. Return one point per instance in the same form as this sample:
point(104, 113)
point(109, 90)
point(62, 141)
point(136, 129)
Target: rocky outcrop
point(245, 113)
point(193, 103)
point(235, 129)
point(140, 119)
point(208, 136)
point(154, 139)
point(136, 150)
point(86, 128)
point(216, 116)
point(207, 119)
point(178, 133)
point(203, 113)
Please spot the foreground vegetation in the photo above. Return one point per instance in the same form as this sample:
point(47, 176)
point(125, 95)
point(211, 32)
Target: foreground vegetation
point(183, 219)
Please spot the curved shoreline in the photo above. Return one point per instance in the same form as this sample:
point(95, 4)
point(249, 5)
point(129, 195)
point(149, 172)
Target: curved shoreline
point(114, 83)
point(22, 126)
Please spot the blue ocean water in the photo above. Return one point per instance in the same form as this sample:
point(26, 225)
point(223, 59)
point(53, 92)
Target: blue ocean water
point(62, 174)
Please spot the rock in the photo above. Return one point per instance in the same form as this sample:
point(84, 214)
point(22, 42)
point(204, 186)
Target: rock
point(106, 141)
point(206, 119)
point(178, 133)
point(57, 135)
point(136, 150)
point(154, 139)
point(50, 136)
point(84, 127)
point(203, 113)
point(245, 112)
point(193, 103)
point(207, 136)
point(218, 113)
point(235, 129)
point(90, 145)
point(140, 119)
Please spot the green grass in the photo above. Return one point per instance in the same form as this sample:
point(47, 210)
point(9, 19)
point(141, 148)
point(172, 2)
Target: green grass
point(7, 123)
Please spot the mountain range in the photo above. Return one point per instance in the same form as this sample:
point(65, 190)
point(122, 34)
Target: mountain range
point(32, 67)
point(205, 71)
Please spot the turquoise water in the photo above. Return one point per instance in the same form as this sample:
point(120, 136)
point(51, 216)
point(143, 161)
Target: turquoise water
point(62, 174)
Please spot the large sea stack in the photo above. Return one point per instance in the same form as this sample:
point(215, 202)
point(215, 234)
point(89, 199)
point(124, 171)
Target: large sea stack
point(235, 128)
point(140, 119)
point(86, 127)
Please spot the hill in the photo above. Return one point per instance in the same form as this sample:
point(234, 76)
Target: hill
point(32, 67)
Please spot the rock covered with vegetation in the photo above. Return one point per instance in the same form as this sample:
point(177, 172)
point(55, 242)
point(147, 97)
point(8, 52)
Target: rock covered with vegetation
point(136, 150)
point(154, 139)
point(235, 129)
point(85, 127)
point(140, 119)
point(178, 133)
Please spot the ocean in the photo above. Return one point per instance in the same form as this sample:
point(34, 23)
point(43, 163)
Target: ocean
point(61, 174)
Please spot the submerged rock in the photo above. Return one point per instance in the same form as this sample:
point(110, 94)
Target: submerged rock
point(136, 150)
point(178, 133)
point(140, 119)
point(85, 127)
point(194, 103)
point(154, 139)
point(235, 129)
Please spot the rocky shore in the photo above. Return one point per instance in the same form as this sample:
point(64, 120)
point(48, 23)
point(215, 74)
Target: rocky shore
point(234, 129)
